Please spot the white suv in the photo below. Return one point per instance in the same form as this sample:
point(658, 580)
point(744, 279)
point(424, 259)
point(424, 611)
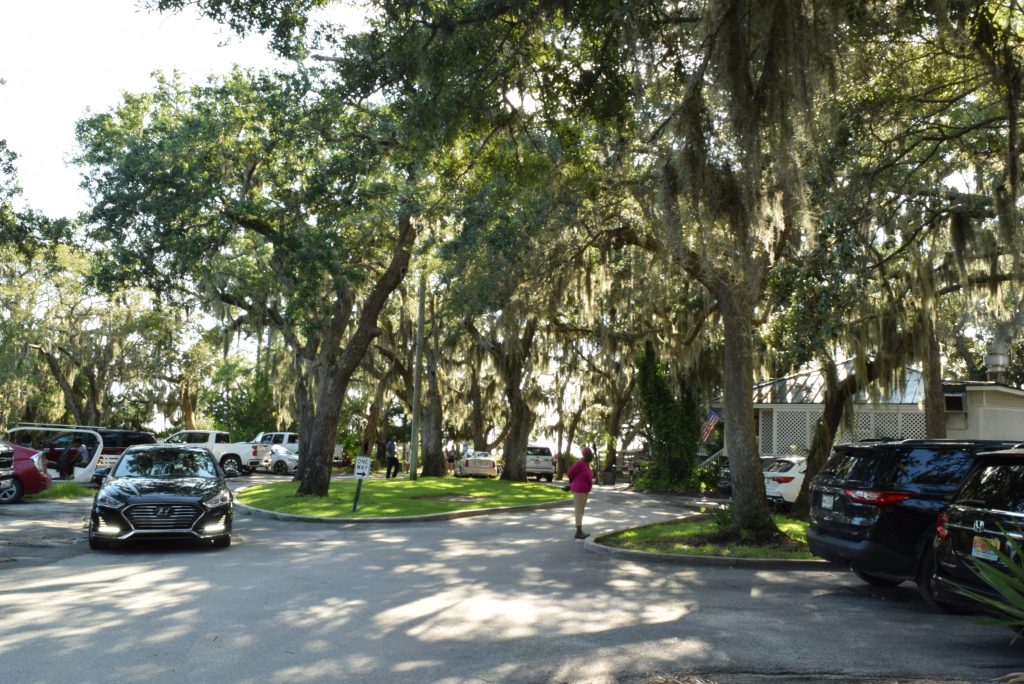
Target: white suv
point(540, 463)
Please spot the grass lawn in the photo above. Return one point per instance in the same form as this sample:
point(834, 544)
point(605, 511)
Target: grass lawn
point(399, 497)
point(678, 537)
point(62, 490)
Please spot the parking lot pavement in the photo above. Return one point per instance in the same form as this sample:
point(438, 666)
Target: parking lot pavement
point(41, 532)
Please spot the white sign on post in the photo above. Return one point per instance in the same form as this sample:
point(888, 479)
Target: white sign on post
point(362, 467)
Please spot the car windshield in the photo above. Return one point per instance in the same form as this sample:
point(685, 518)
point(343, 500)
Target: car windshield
point(165, 463)
point(779, 466)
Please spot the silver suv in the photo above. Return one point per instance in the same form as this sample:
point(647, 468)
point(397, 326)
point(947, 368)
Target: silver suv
point(540, 463)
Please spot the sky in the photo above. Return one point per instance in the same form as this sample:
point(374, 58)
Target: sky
point(62, 59)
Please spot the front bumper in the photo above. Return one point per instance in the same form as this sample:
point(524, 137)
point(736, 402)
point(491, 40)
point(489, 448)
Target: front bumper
point(161, 521)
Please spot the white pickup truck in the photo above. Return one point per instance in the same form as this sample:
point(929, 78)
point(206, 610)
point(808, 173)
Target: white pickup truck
point(244, 457)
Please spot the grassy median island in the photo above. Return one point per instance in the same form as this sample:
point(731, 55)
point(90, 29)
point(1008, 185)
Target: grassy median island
point(399, 497)
point(697, 537)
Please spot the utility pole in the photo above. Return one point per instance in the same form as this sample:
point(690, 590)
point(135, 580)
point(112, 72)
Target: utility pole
point(416, 381)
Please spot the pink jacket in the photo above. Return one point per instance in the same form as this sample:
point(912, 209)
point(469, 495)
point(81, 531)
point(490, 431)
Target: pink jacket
point(581, 477)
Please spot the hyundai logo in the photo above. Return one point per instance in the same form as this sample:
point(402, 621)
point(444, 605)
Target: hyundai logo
point(165, 511)
point(979, 525)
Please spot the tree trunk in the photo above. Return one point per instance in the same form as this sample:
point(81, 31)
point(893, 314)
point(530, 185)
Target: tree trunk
point(304, 405)
point(476, 404)
point(520, 425)
point(373, 434)
point(934, 394)
point(512, 356)
point(749, 505)
point(574, 422)
point(613, 425)
point(432, 451)
point(825, 430)
point(324, 435)
point(187, 405)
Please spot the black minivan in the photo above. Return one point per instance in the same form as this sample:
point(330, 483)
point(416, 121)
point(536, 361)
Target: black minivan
point(874, 505)
point(986, 513)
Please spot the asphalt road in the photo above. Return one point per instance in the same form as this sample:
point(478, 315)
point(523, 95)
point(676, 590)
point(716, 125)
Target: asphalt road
point(499, 598)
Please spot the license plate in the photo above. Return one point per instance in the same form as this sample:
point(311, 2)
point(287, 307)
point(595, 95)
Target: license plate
point(827, 501)
point(985, 547)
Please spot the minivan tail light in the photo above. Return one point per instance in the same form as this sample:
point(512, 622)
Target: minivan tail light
point(783, 480)
point(874, 497)
point(940, 526)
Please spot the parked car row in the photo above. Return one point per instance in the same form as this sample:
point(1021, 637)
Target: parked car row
point(927, 511)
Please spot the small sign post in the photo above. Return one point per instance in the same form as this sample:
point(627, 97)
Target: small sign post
point(362, 472)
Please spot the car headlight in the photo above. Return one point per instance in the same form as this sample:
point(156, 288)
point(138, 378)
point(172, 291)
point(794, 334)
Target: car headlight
point(109, 501)
point(222, 498)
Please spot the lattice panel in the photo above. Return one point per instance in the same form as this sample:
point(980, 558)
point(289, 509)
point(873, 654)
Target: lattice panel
point(767, 446)
point(887, 425)
point(791, 432)
point(863, 426)
point(913, 426)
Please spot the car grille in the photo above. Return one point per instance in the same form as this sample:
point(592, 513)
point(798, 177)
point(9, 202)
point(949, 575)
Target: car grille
point(6, 459)
point(162, 516)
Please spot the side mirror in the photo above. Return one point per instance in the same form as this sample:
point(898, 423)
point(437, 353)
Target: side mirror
point(99, 475)
point(230, 472)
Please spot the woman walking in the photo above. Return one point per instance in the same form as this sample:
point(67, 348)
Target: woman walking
point(581, 481)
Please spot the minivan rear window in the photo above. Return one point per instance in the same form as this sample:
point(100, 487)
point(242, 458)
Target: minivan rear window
point(917, 466)
point(1000, 486)
point(931, 466)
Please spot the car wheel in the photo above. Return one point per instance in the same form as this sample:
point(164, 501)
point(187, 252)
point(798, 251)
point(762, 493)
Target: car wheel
point(550, 477)
point(232, 462)
point(925, 575)
point(280, 468)
point(222, 542)
point(875, 580)
point(12, 492)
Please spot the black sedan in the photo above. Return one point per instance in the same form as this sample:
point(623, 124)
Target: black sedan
point(162, 491)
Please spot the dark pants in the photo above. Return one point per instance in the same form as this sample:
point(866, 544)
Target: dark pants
point(66, 465)
point(392, 463)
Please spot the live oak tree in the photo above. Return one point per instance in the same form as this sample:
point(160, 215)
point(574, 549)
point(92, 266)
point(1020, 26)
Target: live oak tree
point(256, 193)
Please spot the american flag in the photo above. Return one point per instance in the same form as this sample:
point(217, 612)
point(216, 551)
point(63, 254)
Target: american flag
point(708, 427)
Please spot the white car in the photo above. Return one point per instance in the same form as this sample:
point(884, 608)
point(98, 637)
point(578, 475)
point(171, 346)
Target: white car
point(476, 464)
point(783, 478)
point(280, 460)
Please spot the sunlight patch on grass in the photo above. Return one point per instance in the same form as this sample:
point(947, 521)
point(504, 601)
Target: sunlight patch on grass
point(62, 490)
point(678, 538)
point(391, 498)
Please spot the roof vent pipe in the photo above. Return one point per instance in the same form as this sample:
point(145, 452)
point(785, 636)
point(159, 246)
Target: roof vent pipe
point(996, 365)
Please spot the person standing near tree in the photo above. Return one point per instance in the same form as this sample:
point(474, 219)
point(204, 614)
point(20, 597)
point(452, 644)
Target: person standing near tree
point(392, 452)
point(581, 481)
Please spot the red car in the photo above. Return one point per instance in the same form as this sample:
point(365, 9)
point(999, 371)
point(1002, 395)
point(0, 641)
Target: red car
point(30, 475)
